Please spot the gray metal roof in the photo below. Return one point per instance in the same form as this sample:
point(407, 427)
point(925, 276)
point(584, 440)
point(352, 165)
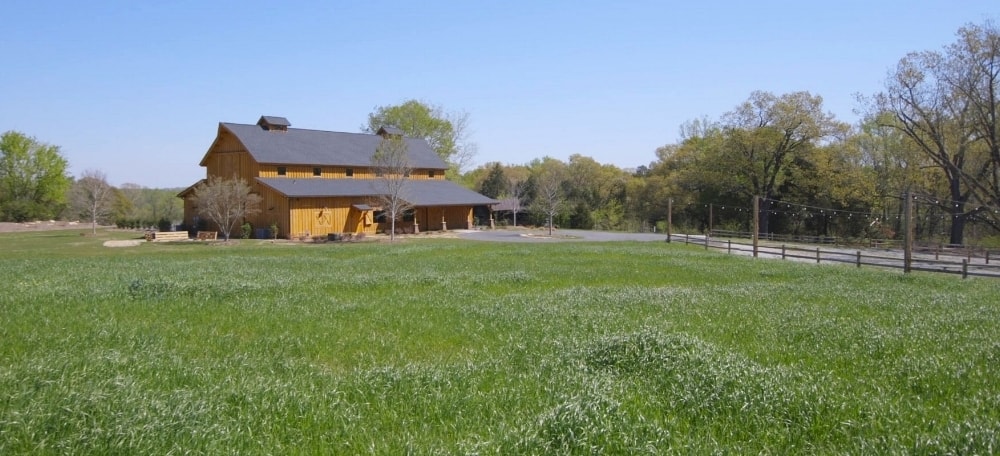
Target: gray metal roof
point(419, 192)
point(323, 148)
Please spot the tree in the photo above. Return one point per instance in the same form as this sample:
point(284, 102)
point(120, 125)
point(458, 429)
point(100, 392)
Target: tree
point(515, 193)
point(33, 178)
point(392, 170)
point(946, 104)
point(548, 187)
point(226, 202)
point(495, 183)
point(765, 134)
point(137, 206)
point(93, 197)
point(447, 133)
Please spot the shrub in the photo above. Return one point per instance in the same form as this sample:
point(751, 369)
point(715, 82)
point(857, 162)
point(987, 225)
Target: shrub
point(164, 225)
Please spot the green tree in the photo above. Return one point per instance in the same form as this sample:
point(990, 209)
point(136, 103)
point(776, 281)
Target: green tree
point(447, 133)
point(765, 135)
point(495, 184)
point(33, 179)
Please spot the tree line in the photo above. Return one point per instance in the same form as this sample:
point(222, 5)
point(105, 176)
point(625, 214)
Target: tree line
point(35, 185)
point(931, 135)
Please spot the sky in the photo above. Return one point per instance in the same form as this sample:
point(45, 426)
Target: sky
point(136, 89)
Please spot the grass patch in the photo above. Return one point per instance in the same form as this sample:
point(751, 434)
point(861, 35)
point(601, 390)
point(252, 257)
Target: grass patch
point(443, 346)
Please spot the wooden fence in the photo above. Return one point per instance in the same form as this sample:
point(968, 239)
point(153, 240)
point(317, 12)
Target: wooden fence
point(941, 259)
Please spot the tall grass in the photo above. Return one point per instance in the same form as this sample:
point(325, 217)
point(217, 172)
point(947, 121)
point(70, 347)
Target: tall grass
point(445, 347)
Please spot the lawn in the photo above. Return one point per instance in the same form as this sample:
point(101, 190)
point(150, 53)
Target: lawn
point(448, 346)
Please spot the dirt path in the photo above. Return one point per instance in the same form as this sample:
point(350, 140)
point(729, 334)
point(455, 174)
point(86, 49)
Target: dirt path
point(8, 227)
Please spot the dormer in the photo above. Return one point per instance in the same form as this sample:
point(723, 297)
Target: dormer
point(273, 123)
point(387, 131)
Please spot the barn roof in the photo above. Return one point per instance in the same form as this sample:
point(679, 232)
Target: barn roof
point(419, 192)
point(297, 146)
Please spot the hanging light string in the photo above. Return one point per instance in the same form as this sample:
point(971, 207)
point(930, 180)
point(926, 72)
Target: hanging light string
point(796, 209)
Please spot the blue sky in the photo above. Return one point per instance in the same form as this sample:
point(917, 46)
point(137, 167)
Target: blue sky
point(137, 89)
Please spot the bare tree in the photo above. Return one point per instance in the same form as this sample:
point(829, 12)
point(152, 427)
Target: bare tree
point(550, 196)
point(465, 148)
point(392, 170)
point(516, 194)
point(92, 196)
point(226, 202)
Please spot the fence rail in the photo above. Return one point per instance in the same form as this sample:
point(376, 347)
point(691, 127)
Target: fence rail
point(941, 259)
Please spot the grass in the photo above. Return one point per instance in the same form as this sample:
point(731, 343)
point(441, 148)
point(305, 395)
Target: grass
point(445, 347)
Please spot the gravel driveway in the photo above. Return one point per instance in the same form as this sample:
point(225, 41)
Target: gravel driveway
point(504, 235)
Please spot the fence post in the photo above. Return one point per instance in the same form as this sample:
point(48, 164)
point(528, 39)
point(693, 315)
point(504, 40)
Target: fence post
point(729, 246)
point(937, 252)
point(987, 256)
point(817, 255)
point(707, 239)
point(965, 269)
point(859, 258)
point(782, 251)
point(685, 238)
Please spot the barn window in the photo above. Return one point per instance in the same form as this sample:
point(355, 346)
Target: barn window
point(381, 217)
point(349, 172)
point(317, 171)
point(282, 170)
point(430, 174)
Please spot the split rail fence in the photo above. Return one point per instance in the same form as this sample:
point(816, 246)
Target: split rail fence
point(964, 261)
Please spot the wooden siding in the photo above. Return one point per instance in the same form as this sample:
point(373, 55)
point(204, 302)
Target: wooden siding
point(228, 157)
point(432, 218)
point(306, 172)
point(322, 216)
point(332, 172)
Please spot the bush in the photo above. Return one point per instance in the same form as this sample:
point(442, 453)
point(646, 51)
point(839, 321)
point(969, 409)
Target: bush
point(164, 225)
point(246, 230)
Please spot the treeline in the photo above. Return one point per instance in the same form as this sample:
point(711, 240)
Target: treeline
point(932, 135)
point(135, 206)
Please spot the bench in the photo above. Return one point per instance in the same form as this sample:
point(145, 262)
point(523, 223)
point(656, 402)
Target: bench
point(167, 236)
point(207, 235)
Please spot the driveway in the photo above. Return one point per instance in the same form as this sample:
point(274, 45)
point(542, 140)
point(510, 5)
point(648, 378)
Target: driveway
point(523, 235)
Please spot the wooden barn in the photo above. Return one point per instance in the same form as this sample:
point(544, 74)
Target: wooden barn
point(315, 183)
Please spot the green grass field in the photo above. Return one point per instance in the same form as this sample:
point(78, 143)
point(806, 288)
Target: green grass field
point(458, 347)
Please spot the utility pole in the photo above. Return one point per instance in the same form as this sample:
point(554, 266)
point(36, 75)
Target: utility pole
point(670, 216)
point(908, 232)
point(710, 218)
point(756, 224)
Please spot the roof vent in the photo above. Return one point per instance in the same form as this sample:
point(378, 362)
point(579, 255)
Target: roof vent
point(274, 123)
point(389, 130)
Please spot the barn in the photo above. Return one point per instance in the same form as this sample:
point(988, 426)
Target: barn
point(315, 182)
